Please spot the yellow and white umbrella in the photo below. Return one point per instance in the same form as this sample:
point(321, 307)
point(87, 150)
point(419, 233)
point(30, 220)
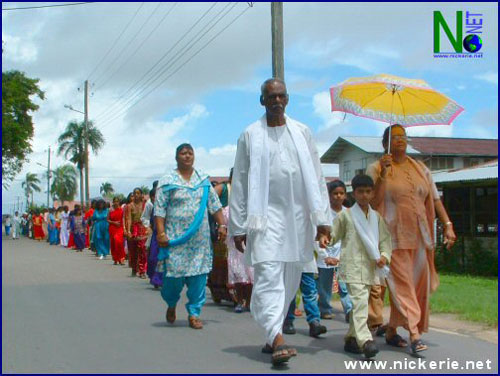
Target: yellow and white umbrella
point(394, 100)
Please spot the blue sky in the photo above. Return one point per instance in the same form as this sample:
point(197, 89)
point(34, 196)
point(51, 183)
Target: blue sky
point(211, 99)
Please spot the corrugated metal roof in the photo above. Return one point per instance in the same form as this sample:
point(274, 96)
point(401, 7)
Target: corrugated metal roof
point(436, 146)
point(455, 146)
point(373, 144)
point(486, 171)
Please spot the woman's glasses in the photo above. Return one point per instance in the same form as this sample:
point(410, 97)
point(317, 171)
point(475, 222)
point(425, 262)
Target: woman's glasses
point(397, 138)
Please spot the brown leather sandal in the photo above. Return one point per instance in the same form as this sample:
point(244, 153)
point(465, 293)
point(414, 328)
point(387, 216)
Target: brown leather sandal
point(170, 315)
point(195, 322)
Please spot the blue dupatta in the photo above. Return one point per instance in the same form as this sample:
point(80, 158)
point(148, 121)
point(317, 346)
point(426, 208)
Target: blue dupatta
point(198, 218)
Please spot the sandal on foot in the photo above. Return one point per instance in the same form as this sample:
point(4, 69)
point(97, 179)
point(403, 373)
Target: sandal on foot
point(269, 350)
point(195, 322)
point(417, 346)
point(396, 341)
point(280, 355)
point(170, 315)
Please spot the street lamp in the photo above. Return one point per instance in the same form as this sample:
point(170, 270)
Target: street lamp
point(69, 107)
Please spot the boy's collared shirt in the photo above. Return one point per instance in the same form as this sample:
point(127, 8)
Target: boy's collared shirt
point(355, 263)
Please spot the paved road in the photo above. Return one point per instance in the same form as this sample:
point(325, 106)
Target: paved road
point(66, 312)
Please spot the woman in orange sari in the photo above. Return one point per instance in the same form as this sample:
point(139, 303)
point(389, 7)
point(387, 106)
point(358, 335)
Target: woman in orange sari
point(115, 220)
point(38, 227)
point(407, 198)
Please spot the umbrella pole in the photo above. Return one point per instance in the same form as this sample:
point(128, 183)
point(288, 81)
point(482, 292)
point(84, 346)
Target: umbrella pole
point(390, 121)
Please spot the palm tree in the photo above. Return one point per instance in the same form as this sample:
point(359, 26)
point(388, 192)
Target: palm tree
point(145, 189)
point(64, 184)
point(72, 142)
point(30, 185)
point(106, 189)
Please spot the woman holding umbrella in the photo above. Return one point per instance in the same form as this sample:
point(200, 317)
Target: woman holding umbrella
point(407, 198)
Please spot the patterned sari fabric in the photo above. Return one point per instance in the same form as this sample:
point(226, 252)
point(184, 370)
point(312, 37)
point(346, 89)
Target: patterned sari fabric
point(78, 227)
point(179, 208)
point(138, 258)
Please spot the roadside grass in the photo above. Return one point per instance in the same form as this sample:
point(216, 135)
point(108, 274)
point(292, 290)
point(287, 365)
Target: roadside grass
point(471, 298)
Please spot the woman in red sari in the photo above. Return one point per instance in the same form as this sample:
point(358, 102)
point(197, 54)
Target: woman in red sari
point(115, 220)
point(37, 227)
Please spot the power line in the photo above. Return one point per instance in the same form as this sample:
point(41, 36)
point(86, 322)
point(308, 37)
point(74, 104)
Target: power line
point(183, 63)
point(179, 54)
point(115, 42)
point(49, 6)
point(140, 46)
point(108, 110)
point(127, 45)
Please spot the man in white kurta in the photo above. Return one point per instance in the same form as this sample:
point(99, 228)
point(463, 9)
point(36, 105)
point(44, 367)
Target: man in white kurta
point(289, 204)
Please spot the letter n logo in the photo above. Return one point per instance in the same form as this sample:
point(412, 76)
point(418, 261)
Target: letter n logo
point(456, 41)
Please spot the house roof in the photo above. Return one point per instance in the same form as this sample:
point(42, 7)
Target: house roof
point(484, 171)
point(436, 146)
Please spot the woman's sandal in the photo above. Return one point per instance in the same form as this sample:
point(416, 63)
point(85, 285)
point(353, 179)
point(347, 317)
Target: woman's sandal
point(269, 350)
point(417, 346)
point(396, 340)
point(280, 355)
point(195, 322)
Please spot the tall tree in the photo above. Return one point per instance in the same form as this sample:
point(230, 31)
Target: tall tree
point(17, 123)
point(106, 189)
point(64, 184)
point(71, 145)
point(30, 185)
point(145, 189)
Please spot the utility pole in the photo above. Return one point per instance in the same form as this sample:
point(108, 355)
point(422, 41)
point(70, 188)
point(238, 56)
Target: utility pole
point(18, 207)
point(48, 180)
point(277, 37)
point(86, 113)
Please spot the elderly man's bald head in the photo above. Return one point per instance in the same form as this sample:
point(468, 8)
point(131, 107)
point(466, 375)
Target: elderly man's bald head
point(269, 81)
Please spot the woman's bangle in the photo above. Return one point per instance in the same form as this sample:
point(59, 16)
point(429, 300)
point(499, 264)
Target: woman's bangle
point(223, 226)
point(448, 223)
point(160, 235)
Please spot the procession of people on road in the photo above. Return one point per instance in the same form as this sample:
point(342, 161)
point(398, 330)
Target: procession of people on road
point(273, 229)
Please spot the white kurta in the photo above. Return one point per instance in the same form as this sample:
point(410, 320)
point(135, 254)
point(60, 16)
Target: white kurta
point(289, 236)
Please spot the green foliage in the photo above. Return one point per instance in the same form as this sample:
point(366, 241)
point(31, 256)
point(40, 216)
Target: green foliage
point(145, 189)
point(475, 256)
point(17, 123)
point(106, 189)
point(63, 185)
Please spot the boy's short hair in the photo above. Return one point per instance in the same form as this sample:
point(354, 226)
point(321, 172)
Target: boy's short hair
point(362, 181)
point(335, 184)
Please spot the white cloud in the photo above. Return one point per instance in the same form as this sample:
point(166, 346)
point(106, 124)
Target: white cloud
point(491, 77)
point(430, 131)
point(19, 49)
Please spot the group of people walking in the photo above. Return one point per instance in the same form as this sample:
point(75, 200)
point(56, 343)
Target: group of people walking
point(276, 228)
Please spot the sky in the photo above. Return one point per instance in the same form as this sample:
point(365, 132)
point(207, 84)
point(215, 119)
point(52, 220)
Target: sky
point(162, 74)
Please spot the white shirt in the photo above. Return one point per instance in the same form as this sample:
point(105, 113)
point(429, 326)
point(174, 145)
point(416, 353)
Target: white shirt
point(146, 213)
point(289, 236)
point(333, 251)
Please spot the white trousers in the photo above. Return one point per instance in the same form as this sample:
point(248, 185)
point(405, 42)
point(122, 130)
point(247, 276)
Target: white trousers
point(275, 285)
point(64, 236)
